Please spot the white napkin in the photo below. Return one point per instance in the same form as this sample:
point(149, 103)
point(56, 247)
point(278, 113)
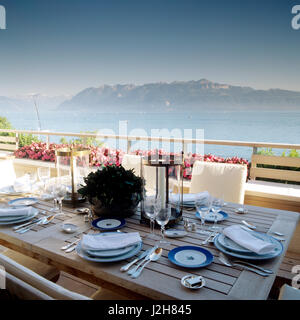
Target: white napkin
point(11, 212)
point(22, 184)
point(188, 197)
point(110, 242)
point(248, 241)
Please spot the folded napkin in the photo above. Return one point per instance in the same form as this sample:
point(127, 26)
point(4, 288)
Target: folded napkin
point(110, 242)
point(248, 241)
point(11, 212)
point(188, 197)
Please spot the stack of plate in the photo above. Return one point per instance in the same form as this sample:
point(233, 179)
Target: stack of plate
point(9, 191)
point(108, 255)
point(231, 248)
point(27, 214)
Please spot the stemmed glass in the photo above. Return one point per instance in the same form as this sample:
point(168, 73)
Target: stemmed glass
point(152, 207)
point(203, 206)
point(217, 204)
point(162, 218)
point(50, 188)
point(44, 176)
point(60, 191)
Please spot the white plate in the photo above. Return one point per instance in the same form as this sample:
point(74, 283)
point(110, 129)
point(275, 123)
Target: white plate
point(23, 219)
point(21, 202)
point(110, 253)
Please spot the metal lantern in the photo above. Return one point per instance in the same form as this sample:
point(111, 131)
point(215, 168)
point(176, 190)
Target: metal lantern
point(166, 166)
point(72, 165)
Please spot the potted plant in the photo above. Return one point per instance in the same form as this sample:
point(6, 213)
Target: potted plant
point(113, 191)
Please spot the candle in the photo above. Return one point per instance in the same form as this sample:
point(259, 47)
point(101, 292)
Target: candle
point(162, 186)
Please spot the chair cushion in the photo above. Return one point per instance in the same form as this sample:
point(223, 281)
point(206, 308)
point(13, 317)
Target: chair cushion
point(42, 269)
point(273, 190)
point(220, 180)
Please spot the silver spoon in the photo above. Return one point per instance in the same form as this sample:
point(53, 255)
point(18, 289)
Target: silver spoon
point(154, 256)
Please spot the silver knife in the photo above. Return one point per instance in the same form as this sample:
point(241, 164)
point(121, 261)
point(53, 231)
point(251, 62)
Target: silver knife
point(141, 256)
point(69, 245)
point(207, 239)
point(132, 271)
point(26, 224)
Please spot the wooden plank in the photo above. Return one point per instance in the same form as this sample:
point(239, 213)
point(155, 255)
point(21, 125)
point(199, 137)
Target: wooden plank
point(7, 139)
point(276, 160)
point(9, 147)
point(288, 175)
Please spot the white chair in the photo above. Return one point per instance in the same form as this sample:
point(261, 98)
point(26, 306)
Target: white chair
point(37, 282)
point(130, 161)
point(7, 173)
point(7, 178)
point(289, 293)
point(22, 290)
point(222, 180)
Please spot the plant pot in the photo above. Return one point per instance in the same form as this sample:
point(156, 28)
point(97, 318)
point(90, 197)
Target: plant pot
point(115, 210)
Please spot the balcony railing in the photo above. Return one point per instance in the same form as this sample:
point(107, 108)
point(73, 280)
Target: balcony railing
point(183, 141)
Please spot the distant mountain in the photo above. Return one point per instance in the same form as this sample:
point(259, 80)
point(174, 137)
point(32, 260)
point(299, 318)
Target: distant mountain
point(179, 96)
point(25, 102)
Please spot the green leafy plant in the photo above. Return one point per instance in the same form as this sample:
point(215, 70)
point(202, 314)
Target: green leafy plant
point(115, 188)
point(89, 141)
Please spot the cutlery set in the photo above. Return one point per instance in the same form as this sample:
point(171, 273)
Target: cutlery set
point(146, 257)
point(27, 226)
point(71, 246)
point(245, 265)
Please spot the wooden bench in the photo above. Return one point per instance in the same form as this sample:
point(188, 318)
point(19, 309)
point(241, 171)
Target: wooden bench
point(274, 194)
point(8, 145)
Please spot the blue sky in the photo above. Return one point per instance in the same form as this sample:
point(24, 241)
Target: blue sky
point(63, 46)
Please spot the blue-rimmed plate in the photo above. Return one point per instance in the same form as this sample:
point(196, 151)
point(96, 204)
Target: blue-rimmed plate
point(13, 220)
point(108, 224)
point(221, 215)
point(22, 202)
point(252, 256)
point(110, 253)
point(190, 257)
point(83, 254)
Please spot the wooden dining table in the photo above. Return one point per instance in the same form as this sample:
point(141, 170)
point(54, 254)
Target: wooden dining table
point(160, 279)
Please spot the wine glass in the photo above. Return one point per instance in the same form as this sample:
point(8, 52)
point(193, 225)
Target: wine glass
point(44, 175)
point(60, 191)
point(203, 206)
point(152, 207)
point(217, 204)
point(50, 189)
point(162, 218)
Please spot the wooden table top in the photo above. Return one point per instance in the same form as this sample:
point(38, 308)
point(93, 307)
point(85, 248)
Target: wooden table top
point(159, 280)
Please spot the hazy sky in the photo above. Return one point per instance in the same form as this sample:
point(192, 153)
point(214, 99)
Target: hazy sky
point(63, 46)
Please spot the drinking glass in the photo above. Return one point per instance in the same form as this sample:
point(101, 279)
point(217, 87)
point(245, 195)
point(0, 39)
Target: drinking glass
point(44, 175)
point(217, 204)
point(162, 218)
point(152, 207)
point(203, 206)
point(50, 189)
point(60, 191)
point(32, 176)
